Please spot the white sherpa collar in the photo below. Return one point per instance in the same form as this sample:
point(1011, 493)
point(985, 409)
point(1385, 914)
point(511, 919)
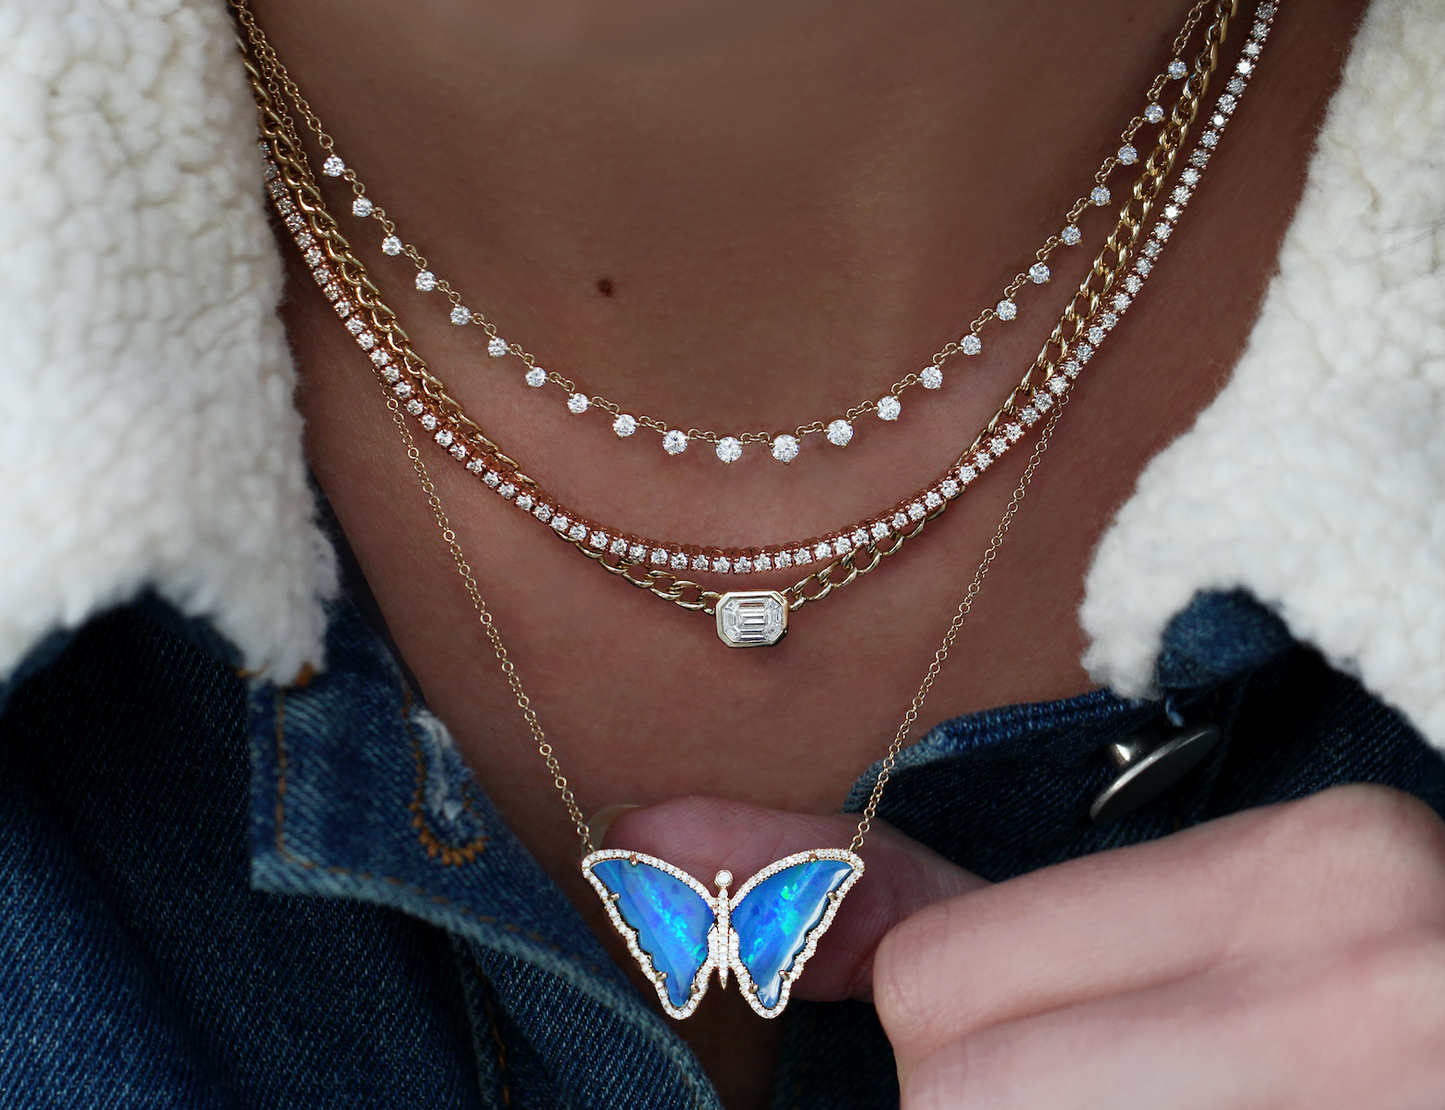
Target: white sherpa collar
point(147, 436)
point(1316, 480)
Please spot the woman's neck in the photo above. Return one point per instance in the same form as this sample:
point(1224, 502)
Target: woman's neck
point(746, 217)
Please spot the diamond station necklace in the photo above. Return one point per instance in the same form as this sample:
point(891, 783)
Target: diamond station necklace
point(765, 930)
point(743, 618)
point(783, 446)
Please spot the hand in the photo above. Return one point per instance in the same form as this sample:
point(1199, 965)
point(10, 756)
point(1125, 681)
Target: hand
point(1290, 956)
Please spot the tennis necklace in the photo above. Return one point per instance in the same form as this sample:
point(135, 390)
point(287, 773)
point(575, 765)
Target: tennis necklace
point(743, 618)
point(764, 930)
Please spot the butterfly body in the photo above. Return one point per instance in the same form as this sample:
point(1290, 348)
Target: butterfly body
point(679, 932)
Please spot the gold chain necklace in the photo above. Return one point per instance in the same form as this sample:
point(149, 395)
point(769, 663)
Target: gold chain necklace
point(764, 932)
point(743, 618)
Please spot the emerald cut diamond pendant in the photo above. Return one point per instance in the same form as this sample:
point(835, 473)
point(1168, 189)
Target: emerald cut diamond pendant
point(753, 619)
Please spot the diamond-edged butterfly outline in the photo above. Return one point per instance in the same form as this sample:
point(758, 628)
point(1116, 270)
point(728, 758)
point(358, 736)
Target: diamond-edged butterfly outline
point(704, 935)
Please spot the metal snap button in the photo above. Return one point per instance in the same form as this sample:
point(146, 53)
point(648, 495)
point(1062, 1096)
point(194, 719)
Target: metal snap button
point(1149, 768)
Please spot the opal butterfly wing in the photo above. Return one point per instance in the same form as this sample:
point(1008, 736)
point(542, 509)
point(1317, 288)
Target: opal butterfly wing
point(679, 932)
point(667, 917)
point(777, 917)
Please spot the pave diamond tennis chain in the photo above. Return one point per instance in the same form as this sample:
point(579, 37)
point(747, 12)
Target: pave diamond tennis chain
point(840, 557)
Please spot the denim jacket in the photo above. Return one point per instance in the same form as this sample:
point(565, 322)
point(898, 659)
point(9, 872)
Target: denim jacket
point(228, 896)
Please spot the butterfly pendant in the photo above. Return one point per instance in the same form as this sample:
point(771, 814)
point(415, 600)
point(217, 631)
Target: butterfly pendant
point(764, 934)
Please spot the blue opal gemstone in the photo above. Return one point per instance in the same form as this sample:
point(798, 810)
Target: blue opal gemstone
point(774, 918)
point(672, 920)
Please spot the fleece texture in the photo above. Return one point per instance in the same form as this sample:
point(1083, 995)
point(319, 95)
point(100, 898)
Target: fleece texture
point(147, 432)
point(1316, 480)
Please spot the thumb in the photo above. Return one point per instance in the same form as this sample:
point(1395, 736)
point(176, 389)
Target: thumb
point(705, 835)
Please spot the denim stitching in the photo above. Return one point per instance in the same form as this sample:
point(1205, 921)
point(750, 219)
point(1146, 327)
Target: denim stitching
point(365, 876)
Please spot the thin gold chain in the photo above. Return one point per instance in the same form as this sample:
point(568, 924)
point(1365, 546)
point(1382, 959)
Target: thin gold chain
point(915, 707)
point(281, 81)
point(489, 626)
point(1080, 309)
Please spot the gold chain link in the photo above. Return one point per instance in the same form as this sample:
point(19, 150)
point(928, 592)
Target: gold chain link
point(271, 86)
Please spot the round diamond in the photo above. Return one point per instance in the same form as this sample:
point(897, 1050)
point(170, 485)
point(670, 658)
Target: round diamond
point(524, 502)
point(783, 560)
point(1006, 310)
point(972, 344)
point(659, 557)
point(743, 565)
point(932, 377)
point(722, 565)
point(1127, 155)
point(840, 433)
point(949, 488)
point(536, 377)
point(618, 546)
point(785, 448)
point(543, 512)
point(1227, 103)
point(762, 562)
point(1071, 236)
point(1099, 195)
point(889, 407)
point(362, 207)
point(578, 403)
point(1209, 139)
point(1154, 114)
point(461, 314)
point(1177, 69)
point(699, 562)
point(729, 449)
point(333, 166)
point(598, 540)
point(823, 550)
point(637, 552)
point(624, 426)
point(879, 529)
point(391, 245)
point(426, 281)
point(497, 346)
point(1133, 283)
point(429, 421)
point(679, 560)
point(1038, 273)
point(675, 442)
point(860, 537)
point(1121, 302)
point(1190, 176)
point(443, 438)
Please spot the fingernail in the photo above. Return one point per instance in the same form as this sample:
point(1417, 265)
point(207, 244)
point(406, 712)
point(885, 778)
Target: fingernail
point(602, 821)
